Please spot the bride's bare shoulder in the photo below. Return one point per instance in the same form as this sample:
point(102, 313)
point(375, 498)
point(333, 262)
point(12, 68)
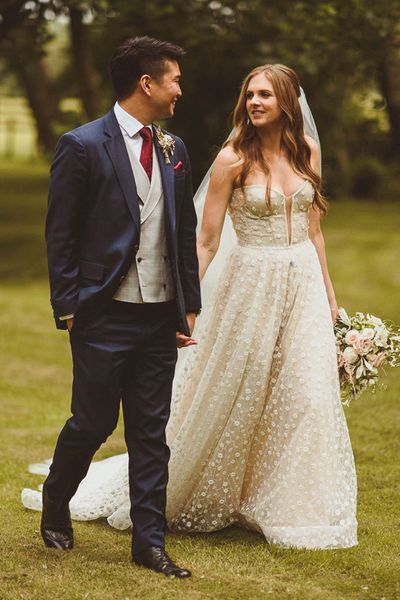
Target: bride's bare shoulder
point(227, 163)
point(227, 157)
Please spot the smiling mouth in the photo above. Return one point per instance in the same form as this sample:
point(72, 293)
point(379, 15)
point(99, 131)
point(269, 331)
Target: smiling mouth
point(257, 112)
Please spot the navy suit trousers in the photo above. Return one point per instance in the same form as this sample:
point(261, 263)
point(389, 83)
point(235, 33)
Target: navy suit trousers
point(128, 353)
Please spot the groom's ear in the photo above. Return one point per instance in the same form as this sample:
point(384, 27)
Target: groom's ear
point(145, 84)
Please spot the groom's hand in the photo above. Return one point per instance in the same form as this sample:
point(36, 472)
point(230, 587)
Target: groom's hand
point(70, 323)
point(182, 340)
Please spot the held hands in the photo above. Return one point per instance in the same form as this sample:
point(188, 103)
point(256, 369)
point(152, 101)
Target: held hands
point(182, 340)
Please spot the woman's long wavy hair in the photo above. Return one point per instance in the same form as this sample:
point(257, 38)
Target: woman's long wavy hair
point(247, 143)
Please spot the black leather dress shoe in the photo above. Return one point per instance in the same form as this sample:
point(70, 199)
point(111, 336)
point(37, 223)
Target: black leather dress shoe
point(157, 559)
point(56, 526)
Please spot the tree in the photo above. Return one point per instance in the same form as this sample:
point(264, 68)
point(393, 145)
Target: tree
point(23, 35)
point(82, 54)
point(343, 51)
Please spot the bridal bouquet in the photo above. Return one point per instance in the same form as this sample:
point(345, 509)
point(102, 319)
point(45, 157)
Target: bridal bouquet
point(364, 343)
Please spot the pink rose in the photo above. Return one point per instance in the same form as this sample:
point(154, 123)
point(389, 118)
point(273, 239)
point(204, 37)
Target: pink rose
point(362, 345)
point(352, 337)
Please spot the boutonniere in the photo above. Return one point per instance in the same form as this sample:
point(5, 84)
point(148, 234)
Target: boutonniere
point(167, 144)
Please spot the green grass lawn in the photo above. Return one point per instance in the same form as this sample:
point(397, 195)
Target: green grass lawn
point(362, 241)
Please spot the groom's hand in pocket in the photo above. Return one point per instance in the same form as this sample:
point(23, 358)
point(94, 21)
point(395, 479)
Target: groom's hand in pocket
point(182, 340)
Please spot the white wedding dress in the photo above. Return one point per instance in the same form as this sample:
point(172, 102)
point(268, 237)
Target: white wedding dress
point(257, 431)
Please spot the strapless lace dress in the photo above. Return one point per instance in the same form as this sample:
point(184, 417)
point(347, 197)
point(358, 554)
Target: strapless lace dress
point(257, 431)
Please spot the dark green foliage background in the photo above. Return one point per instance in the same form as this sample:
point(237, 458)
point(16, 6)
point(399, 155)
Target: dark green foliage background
point(346, 52)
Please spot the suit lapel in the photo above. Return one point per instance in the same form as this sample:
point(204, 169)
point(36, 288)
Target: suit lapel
point(141, 179)
point(116, 149)
point(168, 183)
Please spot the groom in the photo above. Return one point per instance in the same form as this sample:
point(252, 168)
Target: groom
point(123, 269)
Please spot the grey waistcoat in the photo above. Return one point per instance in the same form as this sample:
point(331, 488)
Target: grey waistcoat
point(149, 278)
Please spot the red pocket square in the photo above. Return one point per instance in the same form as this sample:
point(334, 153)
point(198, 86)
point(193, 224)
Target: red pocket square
point(178, 166)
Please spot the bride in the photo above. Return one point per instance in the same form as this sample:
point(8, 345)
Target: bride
point(257, 430)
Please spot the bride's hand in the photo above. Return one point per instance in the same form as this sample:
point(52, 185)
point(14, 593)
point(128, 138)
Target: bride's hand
point(334, 311)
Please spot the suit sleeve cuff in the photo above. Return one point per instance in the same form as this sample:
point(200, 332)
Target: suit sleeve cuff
point(197, 311)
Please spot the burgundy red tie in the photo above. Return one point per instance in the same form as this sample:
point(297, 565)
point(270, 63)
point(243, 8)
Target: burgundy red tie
point(146, 155)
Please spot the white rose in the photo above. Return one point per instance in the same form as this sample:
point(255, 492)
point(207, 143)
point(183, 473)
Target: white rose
point(352, 336)
point(381, 336)
point(368, 333)
point(350, 355)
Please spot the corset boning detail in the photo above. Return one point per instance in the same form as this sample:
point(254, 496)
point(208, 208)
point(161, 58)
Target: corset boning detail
point(258, 225)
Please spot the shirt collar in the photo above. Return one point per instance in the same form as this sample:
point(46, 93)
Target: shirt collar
point(128, 123)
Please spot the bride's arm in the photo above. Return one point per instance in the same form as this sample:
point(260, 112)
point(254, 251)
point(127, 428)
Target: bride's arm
point(215, 206)
point(315, 234)
point(317, 238)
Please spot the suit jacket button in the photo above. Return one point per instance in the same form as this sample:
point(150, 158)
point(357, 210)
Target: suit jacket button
point(139, 259)
point(121, 278)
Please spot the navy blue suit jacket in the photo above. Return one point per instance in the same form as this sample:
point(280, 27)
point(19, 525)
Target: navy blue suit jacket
point(93, 222)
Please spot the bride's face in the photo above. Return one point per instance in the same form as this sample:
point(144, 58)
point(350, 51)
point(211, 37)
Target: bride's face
point(261, 103)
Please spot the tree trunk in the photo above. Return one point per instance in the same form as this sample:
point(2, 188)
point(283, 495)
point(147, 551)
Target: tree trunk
point(22, 56)
point(390, 85)
point(34, 80)
point(83, 63)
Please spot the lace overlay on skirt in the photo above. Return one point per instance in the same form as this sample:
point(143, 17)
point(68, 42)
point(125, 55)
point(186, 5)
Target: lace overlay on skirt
point(257, 430)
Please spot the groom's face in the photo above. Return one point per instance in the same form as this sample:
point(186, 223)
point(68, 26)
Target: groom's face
point(166, 91)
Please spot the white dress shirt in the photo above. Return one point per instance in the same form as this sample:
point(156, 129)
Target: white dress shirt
point(130, 128)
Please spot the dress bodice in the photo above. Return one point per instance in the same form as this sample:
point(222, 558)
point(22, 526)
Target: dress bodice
point(284, 223)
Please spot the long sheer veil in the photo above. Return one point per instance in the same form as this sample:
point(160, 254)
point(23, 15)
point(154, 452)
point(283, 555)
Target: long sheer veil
point(228, 236)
